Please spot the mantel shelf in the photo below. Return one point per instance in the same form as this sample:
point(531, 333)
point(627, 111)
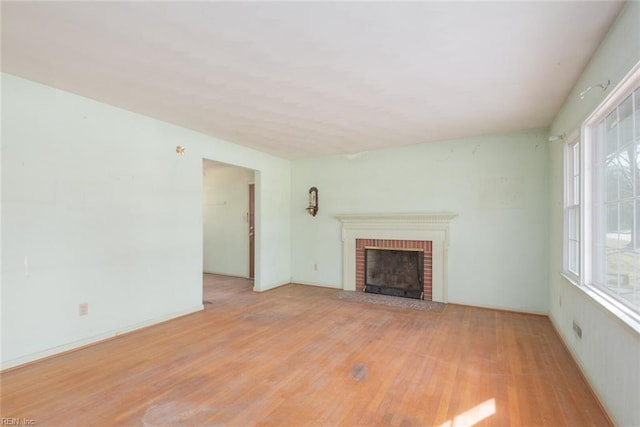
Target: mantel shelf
point(418, 217)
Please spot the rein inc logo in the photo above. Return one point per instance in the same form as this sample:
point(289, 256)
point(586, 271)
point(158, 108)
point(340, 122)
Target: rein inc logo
point(8, 421)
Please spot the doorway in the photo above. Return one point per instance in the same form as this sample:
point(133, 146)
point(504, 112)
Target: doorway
point(228, 210)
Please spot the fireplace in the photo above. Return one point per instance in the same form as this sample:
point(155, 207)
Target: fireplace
point(397, 272)
point(427, 231)
point(395, 251)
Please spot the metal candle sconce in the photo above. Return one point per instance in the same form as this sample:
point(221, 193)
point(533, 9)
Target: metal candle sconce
point(313, 201)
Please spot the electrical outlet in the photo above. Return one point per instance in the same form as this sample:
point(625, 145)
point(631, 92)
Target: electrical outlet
point(83, 309)
point(560, 300)
point(315, 267)
point(577, 329)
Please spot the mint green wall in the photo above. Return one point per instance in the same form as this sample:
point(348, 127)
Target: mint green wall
point(97, 207)
point(497, 184)
point(609, 351)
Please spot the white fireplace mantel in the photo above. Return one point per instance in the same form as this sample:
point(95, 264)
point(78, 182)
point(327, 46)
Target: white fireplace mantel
point(429, 226)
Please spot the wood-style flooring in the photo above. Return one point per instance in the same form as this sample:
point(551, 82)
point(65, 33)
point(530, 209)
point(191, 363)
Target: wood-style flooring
point(298, 356)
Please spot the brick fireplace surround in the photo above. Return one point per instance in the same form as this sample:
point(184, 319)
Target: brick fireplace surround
point(424, 228)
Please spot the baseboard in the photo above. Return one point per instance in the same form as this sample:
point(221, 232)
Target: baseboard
point(273, 286)
point(581, 369)
point(217, 273)
point(320, 285)
point(500, 308)
point(85, 342)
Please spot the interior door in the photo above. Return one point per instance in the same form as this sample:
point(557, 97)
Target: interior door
point(252, 225)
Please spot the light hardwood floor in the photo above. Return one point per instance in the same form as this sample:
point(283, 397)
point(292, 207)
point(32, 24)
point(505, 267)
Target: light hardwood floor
point(297, 356)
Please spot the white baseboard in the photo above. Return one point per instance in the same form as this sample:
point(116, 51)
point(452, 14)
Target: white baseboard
point(321, 285)
point(272, 286)
point(227, 274)
point(500, 308)
point(75, 345)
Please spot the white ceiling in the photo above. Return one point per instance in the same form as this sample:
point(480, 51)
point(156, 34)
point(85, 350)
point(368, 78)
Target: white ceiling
point(308, 79)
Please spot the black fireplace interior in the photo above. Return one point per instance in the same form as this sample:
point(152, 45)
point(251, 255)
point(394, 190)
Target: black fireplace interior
point(394, 272)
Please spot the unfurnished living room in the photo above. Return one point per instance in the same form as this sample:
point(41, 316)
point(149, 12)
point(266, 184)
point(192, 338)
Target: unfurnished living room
point(320, 213)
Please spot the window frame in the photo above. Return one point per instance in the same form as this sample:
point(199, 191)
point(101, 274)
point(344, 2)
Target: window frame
point(591, 225)
point(572, 257)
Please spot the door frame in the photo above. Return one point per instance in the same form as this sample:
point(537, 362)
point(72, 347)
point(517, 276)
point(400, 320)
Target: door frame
point(251, 217)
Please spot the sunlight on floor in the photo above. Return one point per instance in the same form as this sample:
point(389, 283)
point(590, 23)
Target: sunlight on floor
point(473, 415)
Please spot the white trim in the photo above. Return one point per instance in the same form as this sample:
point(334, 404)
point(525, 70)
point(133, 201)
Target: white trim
point(616, 95)
point(218, 273)
point(319, 285)
point(502, 308)
point(272, 286)
point(96, 338)
point(610, 305)
point(432, 227)
point(413, 218)
point(586, 282)
point(568, 190)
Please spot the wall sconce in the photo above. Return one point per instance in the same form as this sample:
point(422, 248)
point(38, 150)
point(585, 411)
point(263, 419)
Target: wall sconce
point(180, 150)
point(313, 201)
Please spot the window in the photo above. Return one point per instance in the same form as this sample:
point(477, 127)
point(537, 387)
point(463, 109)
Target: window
point(604, 224)
point(572, 209)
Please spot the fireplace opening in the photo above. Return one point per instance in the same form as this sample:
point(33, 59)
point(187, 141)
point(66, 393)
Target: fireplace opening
point(397, 272)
